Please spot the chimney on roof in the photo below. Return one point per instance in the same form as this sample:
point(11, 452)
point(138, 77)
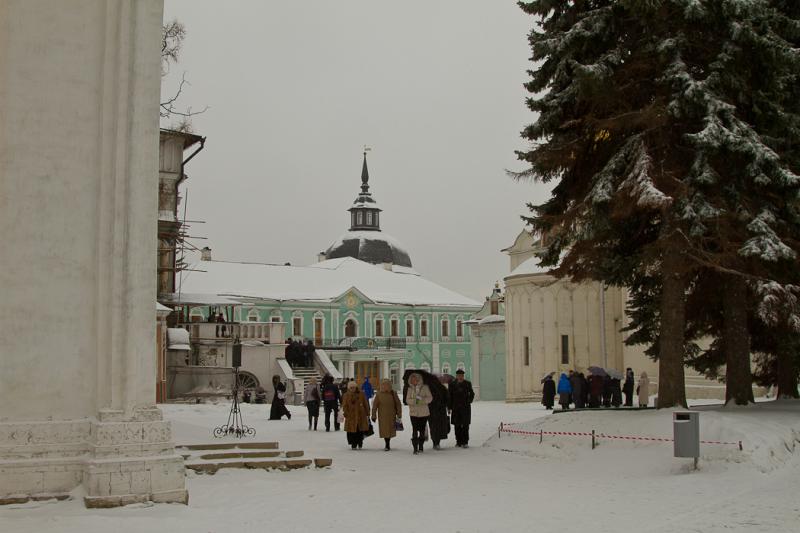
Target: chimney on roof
point(205, 254)
point(321, 257)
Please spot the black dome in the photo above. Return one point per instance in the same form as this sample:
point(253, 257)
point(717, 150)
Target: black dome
point(373, 247)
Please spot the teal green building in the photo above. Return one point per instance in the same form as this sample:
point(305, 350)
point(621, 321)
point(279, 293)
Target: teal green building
point(363, 303)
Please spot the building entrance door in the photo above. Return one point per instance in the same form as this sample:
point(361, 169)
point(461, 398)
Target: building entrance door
point(318, 331)
point(368, 368)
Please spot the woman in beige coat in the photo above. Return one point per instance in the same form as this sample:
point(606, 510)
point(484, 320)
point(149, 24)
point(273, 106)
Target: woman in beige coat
point(356, 415)
point(386, 409)
point(418, 397)
point(644, 390)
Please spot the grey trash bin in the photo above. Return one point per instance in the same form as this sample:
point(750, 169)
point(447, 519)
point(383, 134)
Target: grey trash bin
point(686, 433)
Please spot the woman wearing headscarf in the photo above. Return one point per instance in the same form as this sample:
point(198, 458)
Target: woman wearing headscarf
point(312, 398)
point(418, 397)
point(564, 391)
point(386, 409)
point(278, 407)
point(548, 392)
point(356, 415)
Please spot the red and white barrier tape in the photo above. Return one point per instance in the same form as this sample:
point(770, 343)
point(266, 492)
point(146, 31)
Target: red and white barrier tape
point(504, 429)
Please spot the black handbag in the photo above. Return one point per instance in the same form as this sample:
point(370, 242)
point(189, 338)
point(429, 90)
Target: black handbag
point(370, 431)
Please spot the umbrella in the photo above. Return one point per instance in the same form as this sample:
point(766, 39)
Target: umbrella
point(597, 371)
point(438, 390)
point(445, 379)
point(548, 374)
point(613, 373)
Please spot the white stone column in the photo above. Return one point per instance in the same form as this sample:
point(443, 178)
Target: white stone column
point(79, 90)
point(384, 370)
point(435, 357)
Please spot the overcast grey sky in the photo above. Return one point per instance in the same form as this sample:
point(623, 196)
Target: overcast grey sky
point(295, 89)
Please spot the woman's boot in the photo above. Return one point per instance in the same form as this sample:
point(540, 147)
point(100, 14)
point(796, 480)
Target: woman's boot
point(414, 443)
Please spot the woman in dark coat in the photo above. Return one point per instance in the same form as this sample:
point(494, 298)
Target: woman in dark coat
point(627, 388)
point(607, 391)
point(548, 392)
point(616, 393)
point(595, 390)
point(577, 390)
point(438, 420)
point(278, 408)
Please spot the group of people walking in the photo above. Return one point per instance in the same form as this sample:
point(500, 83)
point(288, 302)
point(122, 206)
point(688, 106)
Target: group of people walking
point(599, 389)
point(298, 353)
point(433, 408)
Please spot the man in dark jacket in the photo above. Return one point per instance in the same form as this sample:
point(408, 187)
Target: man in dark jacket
point(460, 396)
point(548, 392)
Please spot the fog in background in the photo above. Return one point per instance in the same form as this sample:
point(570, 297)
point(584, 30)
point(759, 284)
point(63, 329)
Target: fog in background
point(295, 89)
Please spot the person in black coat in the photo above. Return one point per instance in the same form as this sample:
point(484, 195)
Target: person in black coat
point(548, 392)
point(331, 397)
point(278, 408)
point(309, 349)
point(288, 352)
point(616, 393)
point(607, 391)
point(627, 387)
point(577, 390)
point(584, 388)
point(438, 421)
point(460, 396)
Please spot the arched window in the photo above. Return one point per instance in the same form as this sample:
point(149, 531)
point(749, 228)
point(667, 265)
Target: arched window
point(410, 366)
point(461, 366)
point(350, 328)
point(446, 368)
point(459, 328)
point(445, 328)
point(276, 317)
point(423, 327)
point(252, 316)
point(297, 324)
point(426, 367)
point(379, 326)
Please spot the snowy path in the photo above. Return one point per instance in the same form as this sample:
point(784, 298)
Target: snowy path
point(615, 488)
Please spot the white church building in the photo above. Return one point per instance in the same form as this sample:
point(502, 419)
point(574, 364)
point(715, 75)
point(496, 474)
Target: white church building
point(554, 325)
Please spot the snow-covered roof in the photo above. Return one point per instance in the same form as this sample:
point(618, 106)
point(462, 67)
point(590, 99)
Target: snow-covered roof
point(491, 319)
point(177, 339)
point(162, 308)
point(321, 282)
point(530, 266)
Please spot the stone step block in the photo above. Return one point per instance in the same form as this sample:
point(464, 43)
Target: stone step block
point(296, 453)
point(240, 455)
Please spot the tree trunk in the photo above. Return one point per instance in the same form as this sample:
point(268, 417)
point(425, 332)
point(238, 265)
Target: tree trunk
point(787, 371)
point(671, 383)
point(736, 341)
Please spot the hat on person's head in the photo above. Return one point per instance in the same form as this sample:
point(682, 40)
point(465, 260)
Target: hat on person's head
point(459, 371)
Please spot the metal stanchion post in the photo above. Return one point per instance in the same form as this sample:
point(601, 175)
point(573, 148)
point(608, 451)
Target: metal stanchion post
point(593, 443)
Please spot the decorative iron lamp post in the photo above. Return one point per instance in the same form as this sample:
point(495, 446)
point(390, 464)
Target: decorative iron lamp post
point(235, 426)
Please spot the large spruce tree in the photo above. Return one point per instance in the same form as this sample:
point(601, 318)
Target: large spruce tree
point(667, 128)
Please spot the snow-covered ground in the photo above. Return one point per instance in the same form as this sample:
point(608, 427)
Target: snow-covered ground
point(511, 483)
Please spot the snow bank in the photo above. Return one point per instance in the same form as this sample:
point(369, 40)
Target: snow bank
point(769, 432)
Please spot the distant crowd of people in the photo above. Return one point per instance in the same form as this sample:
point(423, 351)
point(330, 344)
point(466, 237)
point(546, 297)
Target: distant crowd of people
point(598, 390)
point(432, 407)
point(299, 354)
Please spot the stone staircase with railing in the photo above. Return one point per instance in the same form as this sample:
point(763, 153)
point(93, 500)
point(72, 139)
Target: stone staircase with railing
point(210, 458)
point(306, 373)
